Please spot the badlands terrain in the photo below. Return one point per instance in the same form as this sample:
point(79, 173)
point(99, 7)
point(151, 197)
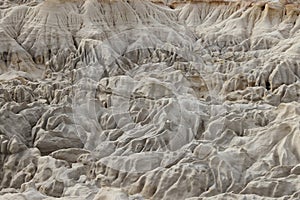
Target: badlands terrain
point(139, 99)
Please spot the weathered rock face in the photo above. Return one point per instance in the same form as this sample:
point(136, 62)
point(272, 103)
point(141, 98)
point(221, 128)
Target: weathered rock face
point(149, 100)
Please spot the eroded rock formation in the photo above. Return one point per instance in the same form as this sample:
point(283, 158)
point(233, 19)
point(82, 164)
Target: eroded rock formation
point(149, 99)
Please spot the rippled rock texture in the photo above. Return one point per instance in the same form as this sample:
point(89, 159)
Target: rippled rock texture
point(105, 100)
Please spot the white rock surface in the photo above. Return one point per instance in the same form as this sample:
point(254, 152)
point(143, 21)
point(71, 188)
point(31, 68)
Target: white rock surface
point(149, 100)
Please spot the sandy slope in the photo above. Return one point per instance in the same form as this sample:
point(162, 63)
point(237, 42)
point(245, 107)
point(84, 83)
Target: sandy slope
point(149, 100)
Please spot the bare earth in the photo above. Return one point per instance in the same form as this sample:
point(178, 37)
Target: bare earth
point(160, 100)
